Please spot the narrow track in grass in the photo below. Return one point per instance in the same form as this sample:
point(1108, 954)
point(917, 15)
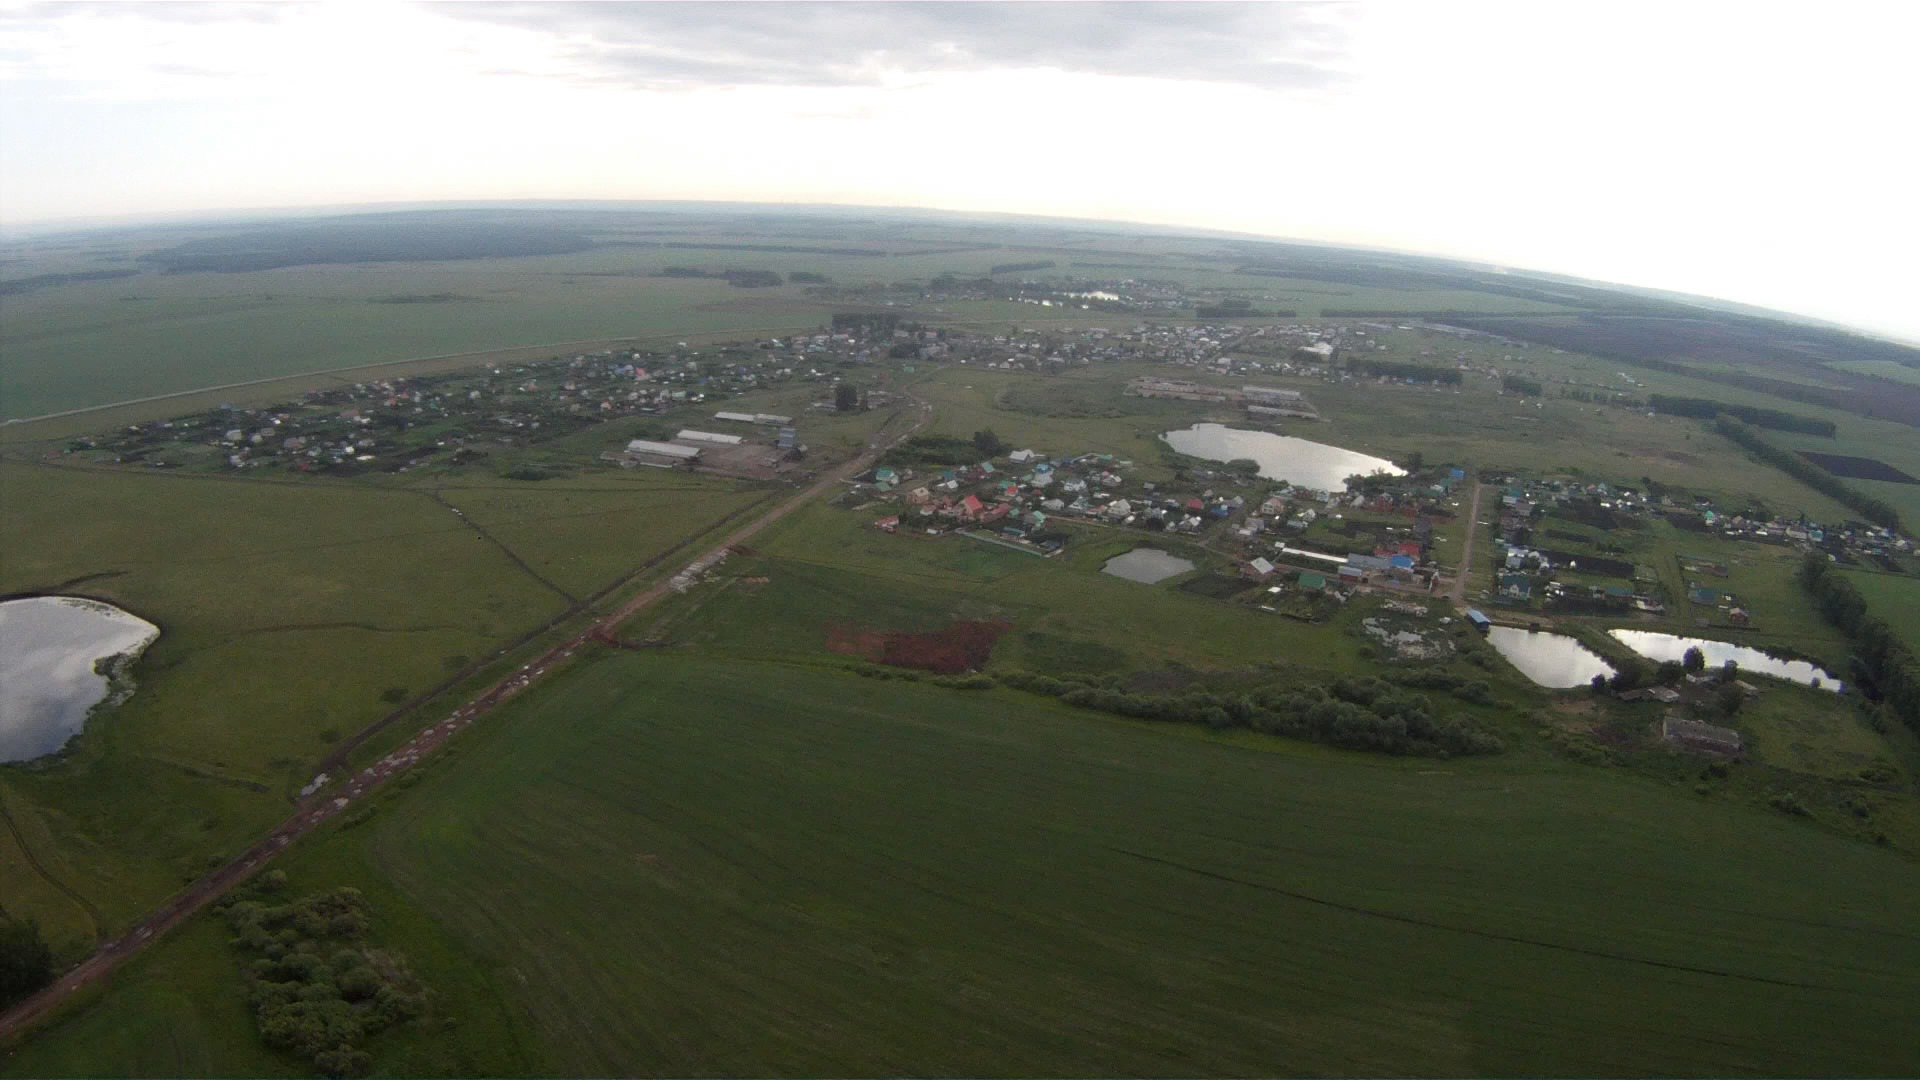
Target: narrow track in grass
point(46, 875)
point(1465, 570)
point(480, 531)
point(329, 801)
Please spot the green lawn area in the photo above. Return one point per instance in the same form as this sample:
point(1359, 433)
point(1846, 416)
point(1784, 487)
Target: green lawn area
point(1885, 369)
point(678, 865)
point(827, 567)
point(292, 615)
point(1894, 599)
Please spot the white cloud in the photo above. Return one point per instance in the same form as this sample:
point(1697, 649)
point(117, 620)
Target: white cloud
point(1756, 152)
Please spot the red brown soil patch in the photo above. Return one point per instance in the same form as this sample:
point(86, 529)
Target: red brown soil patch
point(964, 646)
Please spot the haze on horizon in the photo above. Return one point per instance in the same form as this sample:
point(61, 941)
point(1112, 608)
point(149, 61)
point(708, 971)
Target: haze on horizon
point(1746, 152)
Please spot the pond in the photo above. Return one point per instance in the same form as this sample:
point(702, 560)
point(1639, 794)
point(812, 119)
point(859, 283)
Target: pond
point(1281, 457)
point(49, 646)
point(1146, 565)
point(1551, 660)
point(1655, 646)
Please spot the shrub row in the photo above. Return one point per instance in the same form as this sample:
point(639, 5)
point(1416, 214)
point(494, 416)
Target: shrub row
point(1356, 714)
point(1891, 671)
point(1809, 474)
point(1707, 409)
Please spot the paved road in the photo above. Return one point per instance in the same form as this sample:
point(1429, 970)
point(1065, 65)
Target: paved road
point(1459, 591)
point(338, 796)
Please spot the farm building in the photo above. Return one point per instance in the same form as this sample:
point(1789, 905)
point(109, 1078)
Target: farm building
point(690, 435)
point(660, 454)
point(766, 419)
point(1310, 581)
point(1480, 622)
point(1269, 395)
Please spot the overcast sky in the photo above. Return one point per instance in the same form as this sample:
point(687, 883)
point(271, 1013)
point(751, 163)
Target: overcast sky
point(1756, 151)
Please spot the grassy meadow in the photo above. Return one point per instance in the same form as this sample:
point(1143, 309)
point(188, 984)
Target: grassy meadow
point(728, 853)
point(798, 872)
point(292, 614)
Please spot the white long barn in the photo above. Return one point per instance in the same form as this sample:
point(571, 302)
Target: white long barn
point(690, 435)
point(663, 449)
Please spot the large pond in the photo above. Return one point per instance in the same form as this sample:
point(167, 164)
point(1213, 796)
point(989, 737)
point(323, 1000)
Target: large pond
point(1146, 565)
point(1553, 660)
point(49, 646)
point(1281, 457)
point(1655, 646)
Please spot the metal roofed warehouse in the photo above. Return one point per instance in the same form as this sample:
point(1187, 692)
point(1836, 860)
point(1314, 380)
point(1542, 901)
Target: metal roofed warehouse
point(691, 435)
point(663, 449)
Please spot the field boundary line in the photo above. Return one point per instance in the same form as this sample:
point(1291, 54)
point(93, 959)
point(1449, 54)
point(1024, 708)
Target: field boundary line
point(1489, 935)
point(26, 850)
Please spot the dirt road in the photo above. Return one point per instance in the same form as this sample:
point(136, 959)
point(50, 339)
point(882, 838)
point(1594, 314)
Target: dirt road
point(339, 795)
point(1460, 575)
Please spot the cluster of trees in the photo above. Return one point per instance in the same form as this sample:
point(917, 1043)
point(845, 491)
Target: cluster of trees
point(989, 444)
point(1631, 674)
point(1885, 666)
point(739, 279)
point(846, 397)
point(315, 987)
point(753, 279)
point(1708, 409)
point(1809, 474)
point(26, 962)
point(808, 277)
point(1396, 369)
point(1514, 384)
point(865, 323)
point(934, 450)
point(1357, 714)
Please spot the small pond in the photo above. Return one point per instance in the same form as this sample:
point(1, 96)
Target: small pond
point(1552, 660)
point(1281, 457)
point(1655, 646)
point(1146, 565)
point(48, 683)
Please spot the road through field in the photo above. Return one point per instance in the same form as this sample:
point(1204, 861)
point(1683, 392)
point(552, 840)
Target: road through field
point(330, 801)
point(1465, 569)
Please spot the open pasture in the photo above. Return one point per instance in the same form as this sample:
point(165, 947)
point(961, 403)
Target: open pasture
point(292, 615)
point(801, 872)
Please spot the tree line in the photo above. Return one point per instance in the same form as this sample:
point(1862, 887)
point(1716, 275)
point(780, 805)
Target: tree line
point(1708, 409)
point(1808, 473)
point(1356, 714)
point(1885, 666)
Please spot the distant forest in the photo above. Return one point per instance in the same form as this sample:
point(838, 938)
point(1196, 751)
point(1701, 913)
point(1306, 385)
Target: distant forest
point(310, 243)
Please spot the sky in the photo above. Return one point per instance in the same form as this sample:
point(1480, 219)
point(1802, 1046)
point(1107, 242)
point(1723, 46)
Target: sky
point(1758, 151)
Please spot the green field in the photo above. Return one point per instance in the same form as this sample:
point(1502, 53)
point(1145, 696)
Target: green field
point(1885, 369)
point(1894, 599)
point(801, 873)
point(721, 850)
point(292, 614)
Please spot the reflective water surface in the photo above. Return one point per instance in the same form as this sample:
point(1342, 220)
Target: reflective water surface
point(1655, 646)
point(49, 646)
point(1552, 660)
point(1281, 457)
